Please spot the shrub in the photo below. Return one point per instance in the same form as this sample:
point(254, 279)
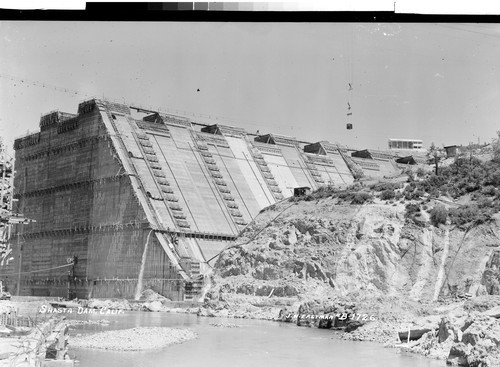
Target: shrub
point(469, 214)
point(436, 180)
point(434, 192)
point(483, 202)
point(413, 214)
point(419, 193)
point(412, 209)
point(345, 195)
point(420, 172)
point(439, 214)
point(488, 190)
point(361, 198)
point(323, 192)
point(273, 206)
point(310, 197)
point(383, 186)
point(411, 187)
point(387, 194)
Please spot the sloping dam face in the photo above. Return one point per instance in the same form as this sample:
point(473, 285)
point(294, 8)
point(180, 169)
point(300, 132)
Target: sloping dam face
point(101, 183)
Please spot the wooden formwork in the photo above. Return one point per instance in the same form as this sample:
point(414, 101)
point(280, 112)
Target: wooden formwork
point(45, 346)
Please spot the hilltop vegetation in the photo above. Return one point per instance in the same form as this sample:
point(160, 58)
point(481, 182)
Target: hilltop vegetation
point(469, 187)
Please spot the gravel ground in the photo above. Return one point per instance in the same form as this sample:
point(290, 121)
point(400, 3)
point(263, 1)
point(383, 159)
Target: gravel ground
point(135, 339)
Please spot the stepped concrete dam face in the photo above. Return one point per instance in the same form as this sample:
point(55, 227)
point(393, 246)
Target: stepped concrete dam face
point(125, 199)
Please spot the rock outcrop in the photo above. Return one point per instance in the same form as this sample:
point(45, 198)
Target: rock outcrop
point(320, 252)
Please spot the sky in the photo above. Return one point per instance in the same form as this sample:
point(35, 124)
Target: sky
point(435, 82)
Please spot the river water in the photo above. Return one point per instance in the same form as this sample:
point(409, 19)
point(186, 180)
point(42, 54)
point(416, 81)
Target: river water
point(254, 343)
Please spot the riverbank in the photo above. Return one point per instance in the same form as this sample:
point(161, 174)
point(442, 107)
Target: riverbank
point(463, 332)
point(252, 343)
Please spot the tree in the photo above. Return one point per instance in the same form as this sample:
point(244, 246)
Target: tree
point(496, 148)
point(433, 154)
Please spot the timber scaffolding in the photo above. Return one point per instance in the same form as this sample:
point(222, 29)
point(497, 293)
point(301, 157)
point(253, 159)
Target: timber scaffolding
point(145, 199)
point(46, 345)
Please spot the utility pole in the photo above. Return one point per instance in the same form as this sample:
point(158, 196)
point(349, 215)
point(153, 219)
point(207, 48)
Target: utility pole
point(71, 275)
point(3, 174)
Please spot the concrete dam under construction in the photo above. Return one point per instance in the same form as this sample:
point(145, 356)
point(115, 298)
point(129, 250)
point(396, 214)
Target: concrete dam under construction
point(124, 199)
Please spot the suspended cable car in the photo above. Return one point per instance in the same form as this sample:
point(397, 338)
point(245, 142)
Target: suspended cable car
point(350, 83)
point(349, 113)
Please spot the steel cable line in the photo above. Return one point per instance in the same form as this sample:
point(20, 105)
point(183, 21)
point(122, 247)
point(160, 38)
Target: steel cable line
point(39, 271)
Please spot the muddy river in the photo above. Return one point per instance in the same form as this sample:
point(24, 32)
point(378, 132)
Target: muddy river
point(253, 343)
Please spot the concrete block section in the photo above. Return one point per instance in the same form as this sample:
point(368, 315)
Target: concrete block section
point(193, 184)
point(251, 172)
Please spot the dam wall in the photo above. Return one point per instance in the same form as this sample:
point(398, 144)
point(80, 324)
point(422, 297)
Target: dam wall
point(118, 193)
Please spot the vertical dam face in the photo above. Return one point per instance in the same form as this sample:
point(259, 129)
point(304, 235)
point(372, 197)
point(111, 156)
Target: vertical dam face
point(98, 182)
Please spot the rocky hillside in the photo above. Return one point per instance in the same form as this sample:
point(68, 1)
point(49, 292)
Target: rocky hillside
point(320, 250)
